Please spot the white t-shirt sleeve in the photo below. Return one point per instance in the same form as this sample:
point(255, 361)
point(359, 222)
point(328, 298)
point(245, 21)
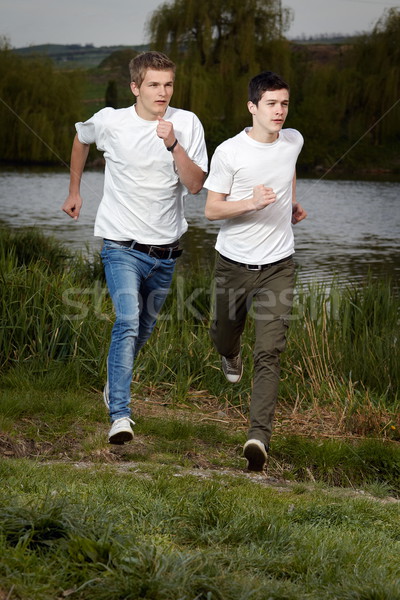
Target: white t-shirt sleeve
point(92, 130)
point(220, 178)
point(197, 151)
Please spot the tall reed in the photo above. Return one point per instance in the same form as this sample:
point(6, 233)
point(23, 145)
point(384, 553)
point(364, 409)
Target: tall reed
point(52, 309)
point(342, 347)
point(343, 343)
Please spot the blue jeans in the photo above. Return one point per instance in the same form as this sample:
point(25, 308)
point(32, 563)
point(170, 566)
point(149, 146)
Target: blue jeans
point(138, 286)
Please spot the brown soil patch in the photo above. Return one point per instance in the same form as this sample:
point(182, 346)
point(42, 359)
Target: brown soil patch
point(205, 461)
point(312, 423)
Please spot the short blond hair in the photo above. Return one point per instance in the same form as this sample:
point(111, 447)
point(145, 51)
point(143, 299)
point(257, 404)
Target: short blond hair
point(139, 65)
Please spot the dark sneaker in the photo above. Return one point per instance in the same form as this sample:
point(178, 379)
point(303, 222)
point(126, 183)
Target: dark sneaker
point(256, 455)
point(232, 368)
point(121, 431)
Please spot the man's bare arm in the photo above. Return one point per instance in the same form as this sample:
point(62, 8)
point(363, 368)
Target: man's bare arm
point(72, 205)
point(218, 208)
point(298, 212)
point(190, 174)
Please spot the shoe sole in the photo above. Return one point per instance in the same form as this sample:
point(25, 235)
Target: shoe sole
point(237, 377)
point(255, 457)
point(105, 398)
point(120, 437)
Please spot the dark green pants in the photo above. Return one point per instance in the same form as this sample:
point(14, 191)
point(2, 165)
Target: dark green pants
point(267, 296)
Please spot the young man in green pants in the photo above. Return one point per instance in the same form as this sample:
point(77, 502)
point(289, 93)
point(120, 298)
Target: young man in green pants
point(251, 187)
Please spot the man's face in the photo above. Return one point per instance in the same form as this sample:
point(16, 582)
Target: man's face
point(154, 95)
point(271, 112)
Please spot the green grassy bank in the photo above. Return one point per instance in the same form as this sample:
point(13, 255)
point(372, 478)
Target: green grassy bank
point(174, 515)
point(343, 352)
point(340, 373)
point(165, 534)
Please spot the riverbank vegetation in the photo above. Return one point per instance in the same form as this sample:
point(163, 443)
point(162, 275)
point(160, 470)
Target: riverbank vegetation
point(174, 513)
point(345, 101)
point(343, 349)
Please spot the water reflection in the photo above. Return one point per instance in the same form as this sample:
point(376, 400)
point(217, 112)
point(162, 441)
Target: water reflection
point(353, 227)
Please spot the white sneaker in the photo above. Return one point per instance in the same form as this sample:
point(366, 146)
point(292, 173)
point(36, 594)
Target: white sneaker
point(121, 431)
point(105, 396)
point(256, 454)
point(232, 368)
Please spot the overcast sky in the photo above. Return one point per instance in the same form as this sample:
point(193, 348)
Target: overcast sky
point(121, 22)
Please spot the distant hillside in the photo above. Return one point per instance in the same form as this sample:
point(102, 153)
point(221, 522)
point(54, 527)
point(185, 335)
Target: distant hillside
point(88, 56)
point(325, 39)
point(74, 55)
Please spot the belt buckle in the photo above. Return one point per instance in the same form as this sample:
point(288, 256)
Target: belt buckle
point(153, 251)
point(254, 267)
point(160, 253)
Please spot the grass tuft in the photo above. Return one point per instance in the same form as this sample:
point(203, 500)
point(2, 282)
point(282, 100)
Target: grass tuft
point(162, 537)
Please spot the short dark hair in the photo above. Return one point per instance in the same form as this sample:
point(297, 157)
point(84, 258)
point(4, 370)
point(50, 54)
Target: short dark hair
point(149, 60)
point(265, 82)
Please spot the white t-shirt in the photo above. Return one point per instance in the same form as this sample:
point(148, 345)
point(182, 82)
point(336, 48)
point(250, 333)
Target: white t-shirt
point(238, 165)
point(143, 198)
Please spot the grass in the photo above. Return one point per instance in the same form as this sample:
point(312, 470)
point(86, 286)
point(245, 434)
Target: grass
point(342, 356)
point(69, 531)
point(72, 426)
point(174, 515)
point(347, 337)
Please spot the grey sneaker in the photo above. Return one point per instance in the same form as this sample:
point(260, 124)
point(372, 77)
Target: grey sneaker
point(232, 368)
point(105, 396)
point(121, 431)
point(256, 454)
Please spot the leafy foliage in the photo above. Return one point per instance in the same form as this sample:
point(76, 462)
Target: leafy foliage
point(344, 99)
point(349, 110)
point(38, 109)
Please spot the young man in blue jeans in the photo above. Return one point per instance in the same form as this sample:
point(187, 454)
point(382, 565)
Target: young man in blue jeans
point(154, 155)
point(251, 188)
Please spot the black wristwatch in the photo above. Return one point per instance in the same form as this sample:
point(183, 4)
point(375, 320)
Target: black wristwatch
point(171, 148)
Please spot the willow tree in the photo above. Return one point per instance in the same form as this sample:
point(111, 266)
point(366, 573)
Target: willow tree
point(348, 109)
point(218, 46)
point(375, 59)
point(38, 109)
point(365, 99)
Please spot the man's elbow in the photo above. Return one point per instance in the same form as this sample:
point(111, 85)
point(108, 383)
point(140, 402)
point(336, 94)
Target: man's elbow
point(210, 214)
point(196, 185)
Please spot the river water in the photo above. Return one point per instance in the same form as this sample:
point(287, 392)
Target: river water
point(353, 227)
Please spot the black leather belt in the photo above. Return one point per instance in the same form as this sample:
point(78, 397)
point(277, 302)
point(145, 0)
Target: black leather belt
point(160, 252)
point(255, 267)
